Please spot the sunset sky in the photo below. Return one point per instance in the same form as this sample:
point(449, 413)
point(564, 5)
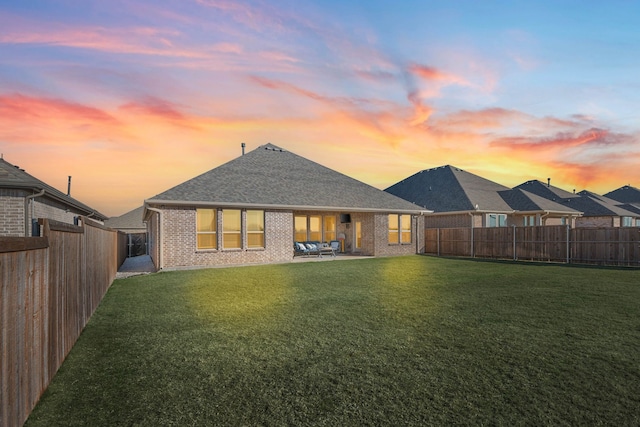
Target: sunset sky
point(133, 97)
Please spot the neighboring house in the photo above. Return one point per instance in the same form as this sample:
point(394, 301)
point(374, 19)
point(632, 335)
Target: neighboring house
point(251, 210)
point(24, 199)
point(462, 199)
point(628, 197)
point(132, 225)
point(597, 211)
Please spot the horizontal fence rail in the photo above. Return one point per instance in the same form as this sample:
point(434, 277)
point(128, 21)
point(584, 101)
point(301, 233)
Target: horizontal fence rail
point(558, 243)
point(49, 288)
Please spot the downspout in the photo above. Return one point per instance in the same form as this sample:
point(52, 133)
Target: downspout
point(471, 243)
point(543, 216)
point(160, 251)
point(26, 210)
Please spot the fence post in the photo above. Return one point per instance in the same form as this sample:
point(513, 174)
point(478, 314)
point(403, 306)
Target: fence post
point(472, 242)
point(568, 249)
point(515, 257)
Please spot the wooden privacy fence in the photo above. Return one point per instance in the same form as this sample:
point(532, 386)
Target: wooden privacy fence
point(559, 243)
point(50, 286)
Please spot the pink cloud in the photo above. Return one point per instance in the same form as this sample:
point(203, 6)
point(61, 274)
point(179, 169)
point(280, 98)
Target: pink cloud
point(431, 74)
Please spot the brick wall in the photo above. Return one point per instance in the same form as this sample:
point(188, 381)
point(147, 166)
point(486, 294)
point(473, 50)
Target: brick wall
point(598, 221)
point(44, 208)
point(179, 241)
point(12, 213)
point(381, 243)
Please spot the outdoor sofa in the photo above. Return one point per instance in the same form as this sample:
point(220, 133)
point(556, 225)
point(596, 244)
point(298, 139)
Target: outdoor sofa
point(313, 248)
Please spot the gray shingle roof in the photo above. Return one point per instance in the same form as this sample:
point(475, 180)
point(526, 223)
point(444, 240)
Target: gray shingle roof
point(625, 194)
point(271, 176)
point(549, 192)
point(13, 177)
point(590, 204)
point(450, 189)
point(521, 200)
point(131, 220)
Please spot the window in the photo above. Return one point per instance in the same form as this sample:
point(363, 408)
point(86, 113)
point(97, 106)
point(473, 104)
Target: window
point(300, 226)
point(496, 220)
point(563, 220)
point(329, 228)
point(315, 228)
point(231, 229)
point(358, 231)
point(399, 229)
point(393, 229)
point(405, 228)
point(529, 220)
point(255, 229)
point(206, 225)
point(627, 221)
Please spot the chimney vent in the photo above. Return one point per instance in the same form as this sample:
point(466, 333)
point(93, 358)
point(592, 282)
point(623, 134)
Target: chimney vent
point(242, 145)
point(69, 186)
point(548, 182)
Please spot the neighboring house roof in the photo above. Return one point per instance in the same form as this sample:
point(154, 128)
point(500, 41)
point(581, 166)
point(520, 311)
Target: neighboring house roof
point(625, 194)
point(546, 191)
point(524, 201)
point(270, 176)
point(451, 189)
point(604, 204)
point(590, 204)
point(15, 178)
point(131, 220)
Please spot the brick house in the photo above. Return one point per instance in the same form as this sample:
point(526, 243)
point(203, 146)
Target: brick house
point(461, 199)
point(597, 210)
point(24, 198)
point(251, 210)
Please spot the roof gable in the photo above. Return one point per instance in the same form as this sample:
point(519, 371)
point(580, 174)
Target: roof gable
point(272, 176)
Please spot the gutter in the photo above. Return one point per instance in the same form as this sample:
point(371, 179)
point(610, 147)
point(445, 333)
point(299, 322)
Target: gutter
point(160, 251)
point(26, 210)
point(285, 207)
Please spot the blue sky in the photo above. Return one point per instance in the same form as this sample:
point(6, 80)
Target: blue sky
point(134, 97)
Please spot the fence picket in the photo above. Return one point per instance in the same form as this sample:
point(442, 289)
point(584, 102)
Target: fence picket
point(556, 243)
point(50, 286)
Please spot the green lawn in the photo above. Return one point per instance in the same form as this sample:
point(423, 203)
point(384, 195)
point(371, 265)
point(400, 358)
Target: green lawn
point(391, 341)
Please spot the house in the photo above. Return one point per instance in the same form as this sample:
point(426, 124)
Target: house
point(24, 199)
point(462, 199)
point(628, 198)
point(132, 225)
point(597, 211)
point(251, 210)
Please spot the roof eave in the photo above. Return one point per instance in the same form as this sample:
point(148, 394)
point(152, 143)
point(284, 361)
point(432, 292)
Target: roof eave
point(284, 207)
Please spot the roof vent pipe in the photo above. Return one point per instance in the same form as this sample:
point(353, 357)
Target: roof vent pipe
point(548, 182)
point(242, 145)
point(69, 186)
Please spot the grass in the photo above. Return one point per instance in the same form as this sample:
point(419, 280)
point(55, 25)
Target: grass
point(392, 341)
